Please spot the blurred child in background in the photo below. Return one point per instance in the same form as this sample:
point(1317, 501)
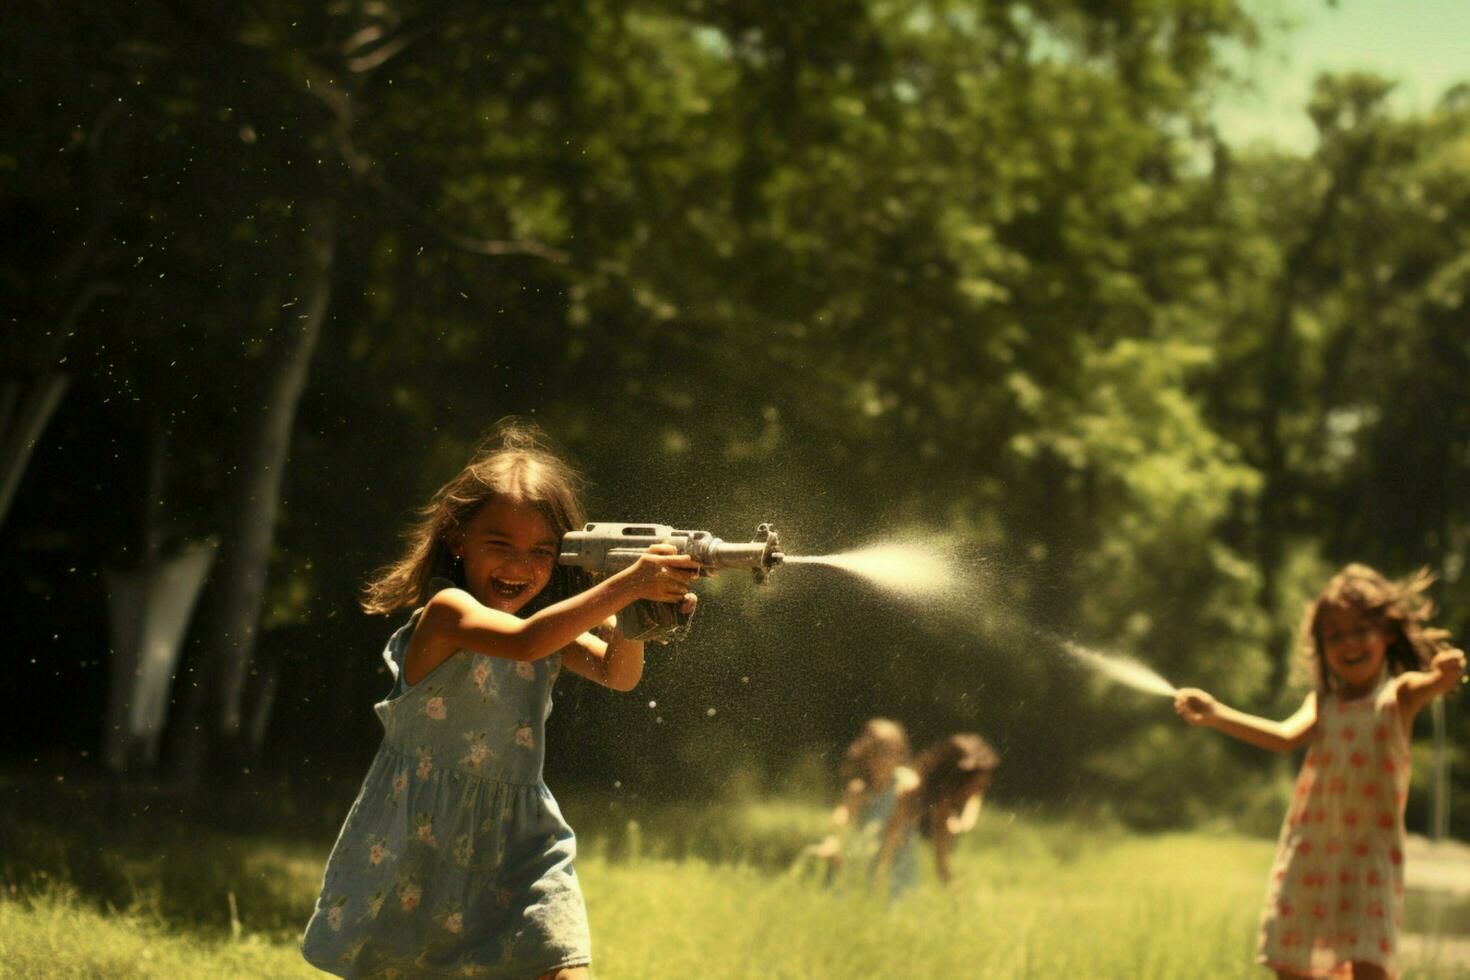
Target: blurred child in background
point(876, 772)
point(953, 776)
point(1337, 885)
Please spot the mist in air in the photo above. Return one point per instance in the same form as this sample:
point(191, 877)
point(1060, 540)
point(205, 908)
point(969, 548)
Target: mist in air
point(926, 569)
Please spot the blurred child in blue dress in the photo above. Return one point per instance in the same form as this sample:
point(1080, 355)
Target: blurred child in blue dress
point(876, 771)
point(892, 801)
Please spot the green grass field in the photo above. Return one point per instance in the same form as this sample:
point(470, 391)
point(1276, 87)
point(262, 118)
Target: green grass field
point(711, 891)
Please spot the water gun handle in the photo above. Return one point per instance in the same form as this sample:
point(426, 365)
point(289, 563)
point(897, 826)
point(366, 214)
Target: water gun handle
point(646, 621)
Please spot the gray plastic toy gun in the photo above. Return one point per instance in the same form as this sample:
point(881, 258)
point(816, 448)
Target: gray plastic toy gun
point(607, 547)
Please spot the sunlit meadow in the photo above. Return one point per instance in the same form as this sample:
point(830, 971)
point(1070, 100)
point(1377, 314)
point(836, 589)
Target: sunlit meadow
point(706, 890)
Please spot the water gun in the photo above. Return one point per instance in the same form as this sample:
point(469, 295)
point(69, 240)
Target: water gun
point(611, 547)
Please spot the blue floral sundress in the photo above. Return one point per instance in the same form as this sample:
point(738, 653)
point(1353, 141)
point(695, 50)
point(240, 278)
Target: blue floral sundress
point(455, 859)
point(864, 842)
point(871, 827)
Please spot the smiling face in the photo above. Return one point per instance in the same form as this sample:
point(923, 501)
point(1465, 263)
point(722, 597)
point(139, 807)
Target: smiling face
point(509, 551)
point(1354, 645)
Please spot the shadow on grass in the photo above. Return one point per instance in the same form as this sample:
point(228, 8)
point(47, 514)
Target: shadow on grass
point(220, 860)
point(249, 857)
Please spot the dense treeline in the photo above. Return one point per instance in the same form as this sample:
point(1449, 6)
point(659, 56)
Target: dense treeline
point(855, 267)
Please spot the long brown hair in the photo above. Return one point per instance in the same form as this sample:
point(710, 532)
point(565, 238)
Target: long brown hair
point(514, 462)
point(1399, 608)
point(945, 767)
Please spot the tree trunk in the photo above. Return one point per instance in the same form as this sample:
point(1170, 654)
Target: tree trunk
point(267, 684)
point(149, 609)
point(229, 645)
point(25, 409)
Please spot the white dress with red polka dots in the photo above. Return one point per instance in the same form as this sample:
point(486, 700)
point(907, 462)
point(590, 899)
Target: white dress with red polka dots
point(1337, 886)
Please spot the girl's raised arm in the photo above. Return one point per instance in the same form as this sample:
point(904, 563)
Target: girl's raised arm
point(1418, 687)
point(830, 847)
point(455, 620)
point(1200, 708)
point(605, 658)
point(968, 816)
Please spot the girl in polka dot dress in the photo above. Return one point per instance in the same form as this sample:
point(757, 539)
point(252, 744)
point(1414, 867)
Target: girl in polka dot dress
point(1336, 890)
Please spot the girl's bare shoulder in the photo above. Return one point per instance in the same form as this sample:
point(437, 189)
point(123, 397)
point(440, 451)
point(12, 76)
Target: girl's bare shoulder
point(446, 607)
point(439, 617)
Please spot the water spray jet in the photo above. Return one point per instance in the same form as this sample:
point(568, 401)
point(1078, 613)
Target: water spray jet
point(913, 568)
point(1123, 670)
point(920, 568)
point(926, 569)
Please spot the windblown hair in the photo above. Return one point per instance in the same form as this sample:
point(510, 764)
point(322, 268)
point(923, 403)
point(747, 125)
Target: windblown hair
point(945, 767)
point(513, 462)
point(1399, 608)
point(878, 735)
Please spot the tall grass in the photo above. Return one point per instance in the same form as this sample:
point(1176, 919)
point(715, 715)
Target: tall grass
point(119, 888)
point(57, 933)
point(1181, 906)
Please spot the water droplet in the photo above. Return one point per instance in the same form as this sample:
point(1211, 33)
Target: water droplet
point(709, 712)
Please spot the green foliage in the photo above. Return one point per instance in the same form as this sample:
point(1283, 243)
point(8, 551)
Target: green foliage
point(1191, 781)
point(983, 270)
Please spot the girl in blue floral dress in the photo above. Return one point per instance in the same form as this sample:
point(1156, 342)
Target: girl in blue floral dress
point(455, 859)
point(876, 766)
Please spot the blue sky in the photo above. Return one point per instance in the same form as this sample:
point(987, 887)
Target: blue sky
point(1422, 44)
